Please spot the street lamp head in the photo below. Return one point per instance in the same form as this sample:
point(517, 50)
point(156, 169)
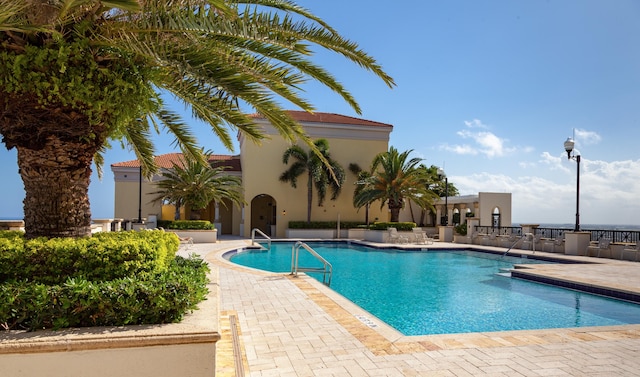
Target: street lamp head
point(568, 146)
point(441, 173)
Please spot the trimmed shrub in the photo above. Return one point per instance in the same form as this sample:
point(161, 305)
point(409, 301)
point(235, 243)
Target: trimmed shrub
point(186, 224)
point(461, 229)
point(401, 226)
point(109, 279)
point(105, 256)
point(149, 298)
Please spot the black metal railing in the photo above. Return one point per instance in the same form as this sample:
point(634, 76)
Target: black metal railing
point(552, 233)
point(618, 236)
point(499, 231)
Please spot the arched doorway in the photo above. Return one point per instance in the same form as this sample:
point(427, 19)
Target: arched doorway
point(495, 218)
point(263, 214)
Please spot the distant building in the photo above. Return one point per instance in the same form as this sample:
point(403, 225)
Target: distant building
point(271, 204)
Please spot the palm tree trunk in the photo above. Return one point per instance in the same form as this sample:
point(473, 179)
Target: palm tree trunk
point(309, 196)
point(56, 181)
point(413, 219)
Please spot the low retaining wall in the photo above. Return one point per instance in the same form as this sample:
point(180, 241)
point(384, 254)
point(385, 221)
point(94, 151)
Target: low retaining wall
point(187, 348)
point(198, 236)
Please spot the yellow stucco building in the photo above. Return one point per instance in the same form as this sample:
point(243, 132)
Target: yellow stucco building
point(270, 203)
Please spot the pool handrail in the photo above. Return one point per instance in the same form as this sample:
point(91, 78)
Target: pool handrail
point(515, 243)
point(327, 268)
point(253, 237)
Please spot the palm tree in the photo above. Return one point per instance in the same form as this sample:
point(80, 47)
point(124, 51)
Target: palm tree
point(362, 179)
point(436, 184)
point(394, 178)
point(76, 76)
point(319, 173)
point(194, 184)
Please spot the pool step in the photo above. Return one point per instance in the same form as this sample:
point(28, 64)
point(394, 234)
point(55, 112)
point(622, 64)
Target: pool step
point(506, 272)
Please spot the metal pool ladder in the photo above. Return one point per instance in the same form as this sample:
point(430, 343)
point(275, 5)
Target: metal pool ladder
point(514, 244)
point(325, 270)
point(253, 237)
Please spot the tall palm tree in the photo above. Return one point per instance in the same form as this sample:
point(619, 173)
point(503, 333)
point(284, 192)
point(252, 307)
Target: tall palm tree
point(319, 174)
point(78, 75)
point(194, 184)
point(394, 178)
point(362, 179)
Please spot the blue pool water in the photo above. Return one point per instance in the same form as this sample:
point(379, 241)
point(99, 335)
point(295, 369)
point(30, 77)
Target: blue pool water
point(446, 292)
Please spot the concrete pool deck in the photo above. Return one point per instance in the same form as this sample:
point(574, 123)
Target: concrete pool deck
point(278, 325)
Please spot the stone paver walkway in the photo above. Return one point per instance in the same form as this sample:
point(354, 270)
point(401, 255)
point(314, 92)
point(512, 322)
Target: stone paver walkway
point(297, 327)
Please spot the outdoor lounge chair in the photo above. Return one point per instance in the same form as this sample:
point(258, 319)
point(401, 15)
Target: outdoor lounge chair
point(395, 237)
point(553, 242)
point(635, 249)
point(530, 242)
point(490, 239)
point(421, 237)
point(509, 241)
point(602, 246)
point(187, 242)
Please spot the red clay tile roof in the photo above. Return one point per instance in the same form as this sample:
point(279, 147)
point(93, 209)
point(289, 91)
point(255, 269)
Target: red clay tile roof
point(167, 160)
point(303, 116)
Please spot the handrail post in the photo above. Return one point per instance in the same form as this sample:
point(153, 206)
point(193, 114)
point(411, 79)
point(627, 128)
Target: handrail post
point(295, 255)
point(253, 236)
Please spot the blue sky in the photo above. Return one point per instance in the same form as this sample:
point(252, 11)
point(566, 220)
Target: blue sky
point(488, 89)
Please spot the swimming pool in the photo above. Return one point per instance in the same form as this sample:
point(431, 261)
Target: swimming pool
point(446, 292)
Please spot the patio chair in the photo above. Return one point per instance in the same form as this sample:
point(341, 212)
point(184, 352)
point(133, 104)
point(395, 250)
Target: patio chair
point(395, 237)
point(419, 236)
point(489, 239)
point(553, 242)
point(531, 241)
point(187, 242)
point(603, 245)
point(509, 241)
point(635, 249)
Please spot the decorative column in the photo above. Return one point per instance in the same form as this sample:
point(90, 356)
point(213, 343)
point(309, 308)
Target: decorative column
point(462, 210)
point(216, 218)
point(439, 208)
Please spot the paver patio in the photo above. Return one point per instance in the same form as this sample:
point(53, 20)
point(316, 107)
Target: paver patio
point(289, 326)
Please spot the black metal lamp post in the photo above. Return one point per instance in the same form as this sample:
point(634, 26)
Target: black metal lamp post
point(446, 195)
point(569, 147)
point(140, 195)
point(364, 182)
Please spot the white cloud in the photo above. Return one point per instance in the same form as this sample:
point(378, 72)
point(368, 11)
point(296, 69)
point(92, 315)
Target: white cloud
point(608, 192)
point(484, 142)
point(584, 137)
point(554, 162)
point(461, 149)
point(476, 123)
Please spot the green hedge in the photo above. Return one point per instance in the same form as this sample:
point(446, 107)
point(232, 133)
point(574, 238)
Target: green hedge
point(324, 225)
point(404, 226)
point(110, 279)
point(105, 256)
point(186, 224)
point(461, 229)
point(154, 298)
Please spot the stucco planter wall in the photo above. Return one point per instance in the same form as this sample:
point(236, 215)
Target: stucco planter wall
point(457, 238)
point(199, 236)
point(356, 233)
point(379, 236)
point(187, 348)
point(311, 233)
